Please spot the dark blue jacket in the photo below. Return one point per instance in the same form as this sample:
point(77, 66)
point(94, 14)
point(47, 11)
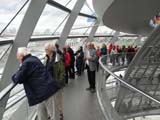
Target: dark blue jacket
point(37, 81)
point(103, 51)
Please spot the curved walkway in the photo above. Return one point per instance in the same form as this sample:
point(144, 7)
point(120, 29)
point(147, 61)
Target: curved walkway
point(79, 104)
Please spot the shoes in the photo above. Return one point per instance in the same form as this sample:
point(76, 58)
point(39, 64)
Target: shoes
point(93, 90)
point(88, 88)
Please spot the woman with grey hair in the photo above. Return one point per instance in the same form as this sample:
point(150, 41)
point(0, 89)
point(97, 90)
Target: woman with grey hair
point(55, 66)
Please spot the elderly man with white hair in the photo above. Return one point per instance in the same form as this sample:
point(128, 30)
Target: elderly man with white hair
point(38, 83)
point(91, 59)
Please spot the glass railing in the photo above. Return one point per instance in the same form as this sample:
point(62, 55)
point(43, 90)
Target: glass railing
point(135, 103)
point(17, 107)
point(17, 100)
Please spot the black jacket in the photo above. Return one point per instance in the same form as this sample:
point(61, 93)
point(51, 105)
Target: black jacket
point(37, 81)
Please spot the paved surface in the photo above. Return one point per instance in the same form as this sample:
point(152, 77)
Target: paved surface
point(79, 104)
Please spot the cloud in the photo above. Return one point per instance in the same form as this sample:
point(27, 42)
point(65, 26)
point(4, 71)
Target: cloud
point(10, 6)
point(49, 20)
point(8, 9)
point(90, 4)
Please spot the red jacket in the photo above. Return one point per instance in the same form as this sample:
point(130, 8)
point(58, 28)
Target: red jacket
point(110, 48)
point(67, 59)
point(98, 53)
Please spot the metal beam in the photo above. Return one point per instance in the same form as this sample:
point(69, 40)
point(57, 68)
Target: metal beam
point(115, 37)
point(43, 38)
point(59, 6)
point(86, 15)
point(22, 38)
point(68, 26)
point(5, 42)
point(93, 31)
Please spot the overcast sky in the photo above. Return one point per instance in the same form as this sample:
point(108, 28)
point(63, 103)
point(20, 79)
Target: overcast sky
point(49, 20)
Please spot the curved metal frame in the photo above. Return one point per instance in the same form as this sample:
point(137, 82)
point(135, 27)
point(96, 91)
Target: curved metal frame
point(101, 100)
point(127, 84)
point(152, 40)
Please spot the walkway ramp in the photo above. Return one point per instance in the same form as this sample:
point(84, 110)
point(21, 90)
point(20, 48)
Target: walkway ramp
point(79, 104)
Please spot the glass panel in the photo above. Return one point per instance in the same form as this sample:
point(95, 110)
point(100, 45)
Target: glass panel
point(37, 48)
point(71, 4)
point(62, 2)
point(4, 52)
point(68, 3)
point(90, 5)
point(84, 31)
point(75, 43)
point(2, 38)
point(99, 40)
point(103, 30)
point(81, 22)
point(49, 20)
point(61, 26)
point(14, 102)
point(127, 41)
point(7, 13)
point(131, 102)
point(87, 32)
point(87, 9)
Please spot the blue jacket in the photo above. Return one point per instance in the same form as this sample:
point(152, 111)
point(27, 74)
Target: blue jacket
point(37, 81)
point(103, 51)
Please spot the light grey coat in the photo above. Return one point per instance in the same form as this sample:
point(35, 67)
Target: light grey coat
point(93, 60)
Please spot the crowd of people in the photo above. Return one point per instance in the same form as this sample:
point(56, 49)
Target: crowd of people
point(44, 81)
point(118, 55)
point(155, 21)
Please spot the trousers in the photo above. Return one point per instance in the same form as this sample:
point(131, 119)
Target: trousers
point(46, 109)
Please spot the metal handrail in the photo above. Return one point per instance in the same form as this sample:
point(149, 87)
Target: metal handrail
point(7, 90)
point(11, 104)
point(127, 84)
point(14, 96)
point(5, 52)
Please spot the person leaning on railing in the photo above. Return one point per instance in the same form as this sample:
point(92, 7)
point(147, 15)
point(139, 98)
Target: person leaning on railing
point(38, 83)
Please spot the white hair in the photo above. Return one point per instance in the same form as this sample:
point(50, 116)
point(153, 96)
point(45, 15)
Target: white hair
point(23, 51)
point(50, 46)
point(47, 45)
